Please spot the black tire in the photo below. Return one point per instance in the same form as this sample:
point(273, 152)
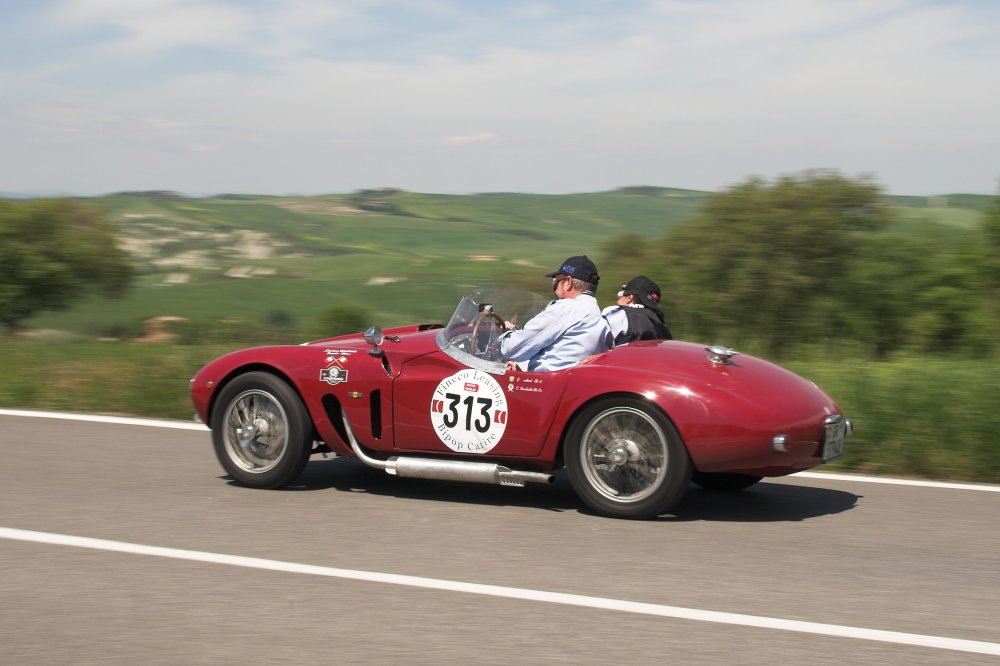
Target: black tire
point(724, 481)
point(625, 459)
point(261, 432)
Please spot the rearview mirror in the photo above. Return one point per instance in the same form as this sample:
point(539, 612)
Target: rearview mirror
point(375, 337)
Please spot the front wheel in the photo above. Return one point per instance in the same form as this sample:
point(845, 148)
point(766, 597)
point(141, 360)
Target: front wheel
point(261, 431)
point(626, 460)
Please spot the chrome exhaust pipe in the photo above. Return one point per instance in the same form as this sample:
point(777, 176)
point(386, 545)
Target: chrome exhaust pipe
point(460, 470)
point(447, 470)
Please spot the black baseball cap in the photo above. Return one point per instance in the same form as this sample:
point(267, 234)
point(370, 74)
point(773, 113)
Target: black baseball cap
point(647, 291)
point(580, 267)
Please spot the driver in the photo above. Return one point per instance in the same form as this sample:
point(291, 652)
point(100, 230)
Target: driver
point(568, 330)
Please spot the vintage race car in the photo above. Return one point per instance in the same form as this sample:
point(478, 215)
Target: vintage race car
point(632, 426)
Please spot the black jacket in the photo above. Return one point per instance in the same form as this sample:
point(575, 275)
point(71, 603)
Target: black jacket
point(644, 324)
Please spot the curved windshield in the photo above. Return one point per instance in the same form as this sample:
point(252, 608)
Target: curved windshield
point(472, 336)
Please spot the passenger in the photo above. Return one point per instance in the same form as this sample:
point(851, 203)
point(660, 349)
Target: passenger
point(568, 330)
point(637, 316)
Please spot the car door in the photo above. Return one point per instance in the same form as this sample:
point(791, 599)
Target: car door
point(444, 406)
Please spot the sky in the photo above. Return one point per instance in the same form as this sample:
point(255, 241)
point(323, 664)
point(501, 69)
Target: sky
point(447, 96)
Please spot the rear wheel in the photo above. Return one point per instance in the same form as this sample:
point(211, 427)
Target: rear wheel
point(626, 460)
point(261, 431)
point(724, 481)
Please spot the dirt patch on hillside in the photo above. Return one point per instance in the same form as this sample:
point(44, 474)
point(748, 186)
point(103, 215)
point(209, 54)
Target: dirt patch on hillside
point(156, 329)
point(323, 207)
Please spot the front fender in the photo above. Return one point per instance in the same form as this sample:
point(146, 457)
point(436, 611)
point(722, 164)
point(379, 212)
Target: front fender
point(352, 379)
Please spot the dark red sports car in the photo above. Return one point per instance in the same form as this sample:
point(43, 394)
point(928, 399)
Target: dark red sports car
point(632, 426)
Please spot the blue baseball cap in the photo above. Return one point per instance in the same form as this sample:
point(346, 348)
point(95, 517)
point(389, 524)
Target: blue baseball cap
point(579, 267)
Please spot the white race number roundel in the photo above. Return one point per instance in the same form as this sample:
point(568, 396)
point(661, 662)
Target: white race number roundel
point(469, 411)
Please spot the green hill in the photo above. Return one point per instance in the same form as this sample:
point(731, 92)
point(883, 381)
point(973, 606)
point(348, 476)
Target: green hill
point(403, 256)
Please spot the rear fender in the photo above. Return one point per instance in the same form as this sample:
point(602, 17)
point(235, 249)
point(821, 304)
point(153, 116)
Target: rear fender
point(694, 412)
point(556, 442)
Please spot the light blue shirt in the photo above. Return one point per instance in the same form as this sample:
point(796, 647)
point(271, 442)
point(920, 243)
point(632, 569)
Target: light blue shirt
point(567, 331)
point(617, 320)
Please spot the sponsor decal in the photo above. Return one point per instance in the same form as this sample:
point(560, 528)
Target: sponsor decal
point(334, 373)
point(529, 384)
point(338, 355)
point(469, 411)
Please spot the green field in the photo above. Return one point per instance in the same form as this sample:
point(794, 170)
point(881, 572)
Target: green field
point(402, 256)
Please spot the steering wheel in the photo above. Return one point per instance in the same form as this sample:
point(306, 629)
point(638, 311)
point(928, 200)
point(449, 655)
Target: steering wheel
point(474, 338)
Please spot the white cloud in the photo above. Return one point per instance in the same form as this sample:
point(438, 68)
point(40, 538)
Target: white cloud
point(201, 148)
point(63, 118)
point(475, 137)
point(150, 26)
point(688, 94)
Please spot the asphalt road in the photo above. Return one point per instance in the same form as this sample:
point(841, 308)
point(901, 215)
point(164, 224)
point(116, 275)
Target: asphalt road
point(801, 570)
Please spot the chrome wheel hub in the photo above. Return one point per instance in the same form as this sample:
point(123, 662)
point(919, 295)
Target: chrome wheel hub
point(624, 454)
point(255, 431)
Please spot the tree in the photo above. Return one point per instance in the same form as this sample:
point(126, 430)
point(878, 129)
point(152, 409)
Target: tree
point(771, 262)
point(892, 275)
point(984, 320)
point(991, 237)
point(341, 320)
point(53, 251)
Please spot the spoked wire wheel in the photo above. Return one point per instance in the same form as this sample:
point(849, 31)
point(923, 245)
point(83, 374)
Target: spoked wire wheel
point(261, 431)
point(625, 459)
point(624, 454)
point(256, 431)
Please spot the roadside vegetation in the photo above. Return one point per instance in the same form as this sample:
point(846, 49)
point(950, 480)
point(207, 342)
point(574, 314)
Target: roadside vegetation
point(51, 252)
point(888, 303)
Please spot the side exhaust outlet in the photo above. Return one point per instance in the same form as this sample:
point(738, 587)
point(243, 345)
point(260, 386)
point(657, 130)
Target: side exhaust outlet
point(459, 470)
point(447, 470)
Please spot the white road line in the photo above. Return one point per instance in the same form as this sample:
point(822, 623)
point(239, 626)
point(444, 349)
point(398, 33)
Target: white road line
point(184, 425)
point(677, 612)
point(115, 420)
point(900, 482)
